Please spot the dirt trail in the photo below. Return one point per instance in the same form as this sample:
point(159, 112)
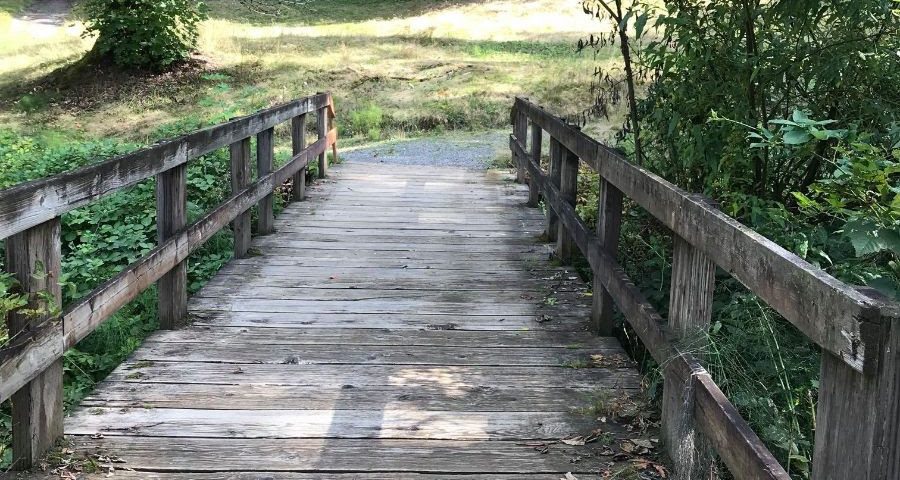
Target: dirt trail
point(466, 150)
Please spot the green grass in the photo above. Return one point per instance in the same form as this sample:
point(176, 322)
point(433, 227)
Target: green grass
point(12, 6)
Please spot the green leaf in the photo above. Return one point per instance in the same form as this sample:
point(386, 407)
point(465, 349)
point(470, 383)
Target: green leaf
point(639, 25)
point(797, 137)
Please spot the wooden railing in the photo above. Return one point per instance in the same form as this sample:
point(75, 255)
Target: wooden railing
point(858, 418)
point(30, 364)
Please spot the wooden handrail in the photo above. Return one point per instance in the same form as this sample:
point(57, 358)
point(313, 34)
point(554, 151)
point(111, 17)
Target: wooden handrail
point(853, 328)
point(36, 347)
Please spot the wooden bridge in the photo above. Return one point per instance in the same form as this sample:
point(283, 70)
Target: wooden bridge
point(407, 323)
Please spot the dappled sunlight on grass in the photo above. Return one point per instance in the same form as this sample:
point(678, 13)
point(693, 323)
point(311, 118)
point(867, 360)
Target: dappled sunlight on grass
point(444, 67)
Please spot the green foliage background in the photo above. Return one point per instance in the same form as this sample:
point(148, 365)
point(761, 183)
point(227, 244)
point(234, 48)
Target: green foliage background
point(787, 113)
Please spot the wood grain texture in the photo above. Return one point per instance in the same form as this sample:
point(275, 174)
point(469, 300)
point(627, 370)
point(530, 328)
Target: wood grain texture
point(322, 129)
point(33, 257)
point(690, 313)
point(568, 190)
point(171, 216)
point(240, 178)
point(265, 155)
point(415, 349)
point(298, 143)
point(609, 223)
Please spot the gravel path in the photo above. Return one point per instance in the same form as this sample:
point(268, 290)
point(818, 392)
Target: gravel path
point(47, 12)
point(464, 150)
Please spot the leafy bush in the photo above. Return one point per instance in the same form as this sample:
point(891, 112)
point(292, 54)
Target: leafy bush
point(144, 33)
point(366, 121)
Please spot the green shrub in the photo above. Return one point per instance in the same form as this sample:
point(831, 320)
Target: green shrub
point(143, 33)
point(367, 121)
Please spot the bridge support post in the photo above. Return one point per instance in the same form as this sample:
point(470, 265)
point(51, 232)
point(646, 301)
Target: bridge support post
point(171, 216)
point(858, 414)
point(33, 257)
point(609, 222)
point(322, 129)
point(555, 164)
point(520, 130)
point(537, 134)
point(240, 178)
point(298, 143)
point(568, 189)
point(265, 153)
point(690, 313)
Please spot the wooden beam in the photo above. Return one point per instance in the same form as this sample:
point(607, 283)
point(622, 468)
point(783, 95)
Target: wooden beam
point(298, 143)
point(33, 257)
point(171, 216)
point(609, 222)
point(240, 177)
point(832, 314)
point(33, 203)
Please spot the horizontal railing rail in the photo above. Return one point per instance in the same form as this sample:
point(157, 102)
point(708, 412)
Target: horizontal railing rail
point(851, 325)
point(29, 216)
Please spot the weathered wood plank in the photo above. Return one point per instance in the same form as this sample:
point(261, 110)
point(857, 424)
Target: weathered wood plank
point(33, 257)
point(340, 455)
point(388, 422)
point(377, 354)
point(32, 203)
point(460, 321)
point(322, 129)
point(447, 379)
point(482, 398)
point(537, 136)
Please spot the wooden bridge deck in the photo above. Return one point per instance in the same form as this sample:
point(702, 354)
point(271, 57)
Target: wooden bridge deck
point(402, 323)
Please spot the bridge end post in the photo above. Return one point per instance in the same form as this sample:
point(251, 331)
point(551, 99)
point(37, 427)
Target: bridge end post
point(34, 257)
point(690, 314)
point(609, 222)
point(858, 414)
point(171, 216)
point(520, 130)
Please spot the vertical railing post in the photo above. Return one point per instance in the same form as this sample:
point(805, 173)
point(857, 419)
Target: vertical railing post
point(240, 178)
point(265, 154)
point(171, 216)
point(298, 143)
point(690, 312)
point(322, 129)
point(555, 164)
point(33, 257)
point(568, 189)
point(521, 132)
point(858, 414)
point(537, 137)
point(609, 222)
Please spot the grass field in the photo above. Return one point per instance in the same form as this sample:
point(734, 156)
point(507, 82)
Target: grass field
point(396, 68)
